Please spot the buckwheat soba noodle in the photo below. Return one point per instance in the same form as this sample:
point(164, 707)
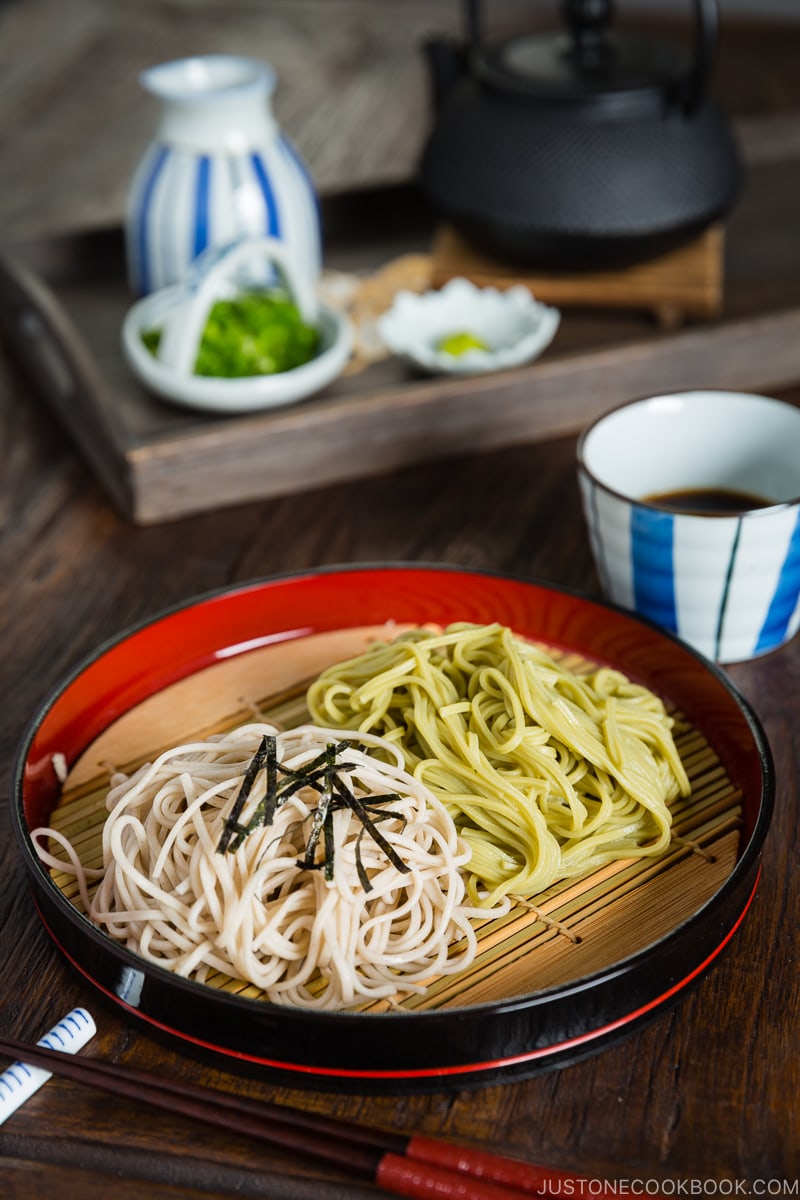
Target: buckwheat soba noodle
point(296, 861)
point(547, 773)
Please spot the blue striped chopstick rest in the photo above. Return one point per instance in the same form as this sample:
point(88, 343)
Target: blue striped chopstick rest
point(19, 1081)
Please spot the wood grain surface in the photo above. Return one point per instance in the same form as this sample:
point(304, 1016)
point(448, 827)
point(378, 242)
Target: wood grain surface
point(352, 86)
point(63, 300)
point(705, 1097)
point(709, 1090)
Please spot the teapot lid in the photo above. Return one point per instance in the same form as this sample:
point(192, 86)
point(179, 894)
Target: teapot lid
point(587, 63)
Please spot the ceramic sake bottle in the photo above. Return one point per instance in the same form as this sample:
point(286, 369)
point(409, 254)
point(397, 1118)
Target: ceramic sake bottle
point(218, 169)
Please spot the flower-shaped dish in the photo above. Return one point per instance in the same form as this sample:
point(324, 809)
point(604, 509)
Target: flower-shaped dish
point(513, 326)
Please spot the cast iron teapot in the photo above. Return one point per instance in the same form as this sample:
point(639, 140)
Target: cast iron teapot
point(581, 148)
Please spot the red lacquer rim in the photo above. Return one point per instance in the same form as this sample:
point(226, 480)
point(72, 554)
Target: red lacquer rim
point(144, 661)
point(182, 641)
point(497, 1064)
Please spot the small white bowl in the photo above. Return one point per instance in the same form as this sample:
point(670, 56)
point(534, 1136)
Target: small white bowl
point(515, 326)
point(181, 310)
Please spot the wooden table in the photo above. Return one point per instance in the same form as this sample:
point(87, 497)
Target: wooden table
point(704, 1099)
point(709, 1091)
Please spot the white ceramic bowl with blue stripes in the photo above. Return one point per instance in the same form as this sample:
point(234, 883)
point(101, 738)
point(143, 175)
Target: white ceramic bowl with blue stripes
point(219, 168)
point(726, 583)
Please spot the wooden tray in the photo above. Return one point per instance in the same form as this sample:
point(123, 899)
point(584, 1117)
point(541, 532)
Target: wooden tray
point(62, 303)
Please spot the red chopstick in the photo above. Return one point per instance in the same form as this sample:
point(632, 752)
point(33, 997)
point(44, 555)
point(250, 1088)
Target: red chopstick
point(405, 1165)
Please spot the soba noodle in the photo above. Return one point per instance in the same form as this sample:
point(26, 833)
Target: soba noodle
point(547, 773)
point(168, 892)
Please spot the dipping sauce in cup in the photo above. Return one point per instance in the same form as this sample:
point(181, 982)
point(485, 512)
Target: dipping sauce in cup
point(692, 502)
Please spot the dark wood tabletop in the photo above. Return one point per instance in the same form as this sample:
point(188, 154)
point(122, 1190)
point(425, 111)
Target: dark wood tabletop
point(709, 1090)
point(704, 1100)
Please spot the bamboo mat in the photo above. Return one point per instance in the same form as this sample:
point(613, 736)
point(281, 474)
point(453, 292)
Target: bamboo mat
point(574, 928)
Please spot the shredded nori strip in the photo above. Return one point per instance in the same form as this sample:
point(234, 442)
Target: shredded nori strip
point(265, 749)
point(323, 775)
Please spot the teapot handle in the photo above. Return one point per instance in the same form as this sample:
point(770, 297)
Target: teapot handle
point(473, 26)
point(706, 37)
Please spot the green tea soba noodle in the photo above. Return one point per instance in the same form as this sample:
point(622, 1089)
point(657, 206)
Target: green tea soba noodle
point(547, 773)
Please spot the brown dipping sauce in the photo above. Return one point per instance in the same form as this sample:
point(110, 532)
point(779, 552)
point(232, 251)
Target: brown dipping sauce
point(708, 501)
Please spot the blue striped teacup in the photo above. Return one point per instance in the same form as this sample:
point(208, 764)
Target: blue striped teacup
point(692, 503)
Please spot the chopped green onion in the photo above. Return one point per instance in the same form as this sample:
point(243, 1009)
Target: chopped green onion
point(257, 333)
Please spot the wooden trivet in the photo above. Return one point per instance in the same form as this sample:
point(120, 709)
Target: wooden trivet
point(686, 282)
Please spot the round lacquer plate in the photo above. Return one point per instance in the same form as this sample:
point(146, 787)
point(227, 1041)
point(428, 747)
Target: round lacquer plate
point(559, 977)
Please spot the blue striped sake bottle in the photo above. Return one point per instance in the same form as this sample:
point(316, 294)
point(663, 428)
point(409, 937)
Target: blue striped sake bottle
point(218, 169)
